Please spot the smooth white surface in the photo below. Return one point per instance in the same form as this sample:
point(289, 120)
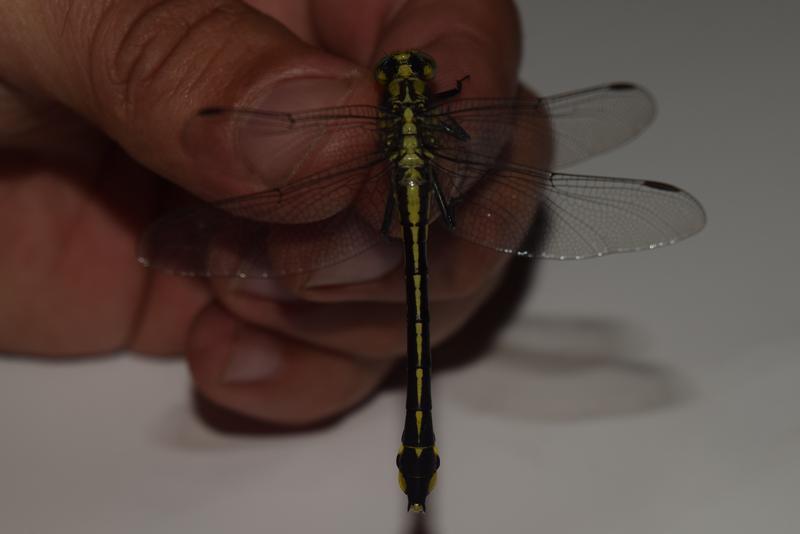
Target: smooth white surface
point(650, 393)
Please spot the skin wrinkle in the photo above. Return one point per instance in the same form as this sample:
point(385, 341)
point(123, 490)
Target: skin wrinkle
point(67, 18)
point(391, 14)
point(142, 27)
point(139, 59)
point(141, 54)
point(71, 229)
point(95, 49)
point(180, 42)
point(193, 83)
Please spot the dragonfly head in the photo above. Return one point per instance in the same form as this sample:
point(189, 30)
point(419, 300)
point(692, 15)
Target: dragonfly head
point(406, 65)
point(417, 474)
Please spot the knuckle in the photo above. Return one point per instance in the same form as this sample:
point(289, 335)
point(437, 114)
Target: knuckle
point(143, 52)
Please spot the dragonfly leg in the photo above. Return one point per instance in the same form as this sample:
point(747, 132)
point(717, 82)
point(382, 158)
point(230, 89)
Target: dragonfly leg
point(448, 213)
point(388, 213)
point(450, 93)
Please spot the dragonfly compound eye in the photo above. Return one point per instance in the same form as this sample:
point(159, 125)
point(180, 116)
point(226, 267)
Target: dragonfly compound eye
point(386, 70)
point(422, 64)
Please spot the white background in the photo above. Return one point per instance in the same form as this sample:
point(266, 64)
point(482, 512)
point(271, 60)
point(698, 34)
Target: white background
point(650, 393)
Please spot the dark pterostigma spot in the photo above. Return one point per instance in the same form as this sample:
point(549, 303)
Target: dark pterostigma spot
point(661, 186)
point(622, 86)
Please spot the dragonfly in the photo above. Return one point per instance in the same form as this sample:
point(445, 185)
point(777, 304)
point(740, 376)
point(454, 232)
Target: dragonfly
point(341, 180)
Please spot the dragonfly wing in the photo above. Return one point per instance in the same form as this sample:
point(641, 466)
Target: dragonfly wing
point(550, 132)
point(276, 148)
point(313, 223)
point(524, 211)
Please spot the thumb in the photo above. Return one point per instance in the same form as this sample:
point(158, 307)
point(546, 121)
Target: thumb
point(140, 69)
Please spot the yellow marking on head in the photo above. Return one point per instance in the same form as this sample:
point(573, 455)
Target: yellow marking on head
point(408, 64)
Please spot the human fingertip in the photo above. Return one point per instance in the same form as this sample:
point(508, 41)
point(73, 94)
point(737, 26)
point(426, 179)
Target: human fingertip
point(479, 39)
point(253, 358)
point(273, 378)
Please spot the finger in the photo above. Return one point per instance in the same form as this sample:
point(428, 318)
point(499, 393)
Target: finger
point(141, 69)
point(458, 270)
point(270, 377)
point(371, 330)
point(480, 38)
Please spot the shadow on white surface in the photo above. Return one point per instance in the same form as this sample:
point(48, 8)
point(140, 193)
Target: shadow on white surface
point(201, 425)
point(569, 369)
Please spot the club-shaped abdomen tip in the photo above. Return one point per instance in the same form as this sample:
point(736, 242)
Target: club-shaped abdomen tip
point(417, 474)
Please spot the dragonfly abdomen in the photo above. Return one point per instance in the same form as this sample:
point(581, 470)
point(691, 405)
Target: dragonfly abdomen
point(418, 458)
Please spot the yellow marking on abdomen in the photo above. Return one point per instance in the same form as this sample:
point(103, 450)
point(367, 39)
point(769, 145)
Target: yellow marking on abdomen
point(415, 247)
point(418, 296)
point(418, 328)
point(420, 373)
point(413, 201)
point(412, 194)
point(418, 415)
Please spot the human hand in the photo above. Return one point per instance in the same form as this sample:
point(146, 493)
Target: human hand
point(93, 100)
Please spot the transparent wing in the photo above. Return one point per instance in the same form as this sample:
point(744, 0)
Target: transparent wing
point(302, 224)
point(277, 148)
point(313, 223)
point(550, 132)
point(533, 213)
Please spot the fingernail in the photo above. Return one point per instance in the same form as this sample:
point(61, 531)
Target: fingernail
point(301, 94)
point(253, 358)
point(275, 156)
point(370, 265)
